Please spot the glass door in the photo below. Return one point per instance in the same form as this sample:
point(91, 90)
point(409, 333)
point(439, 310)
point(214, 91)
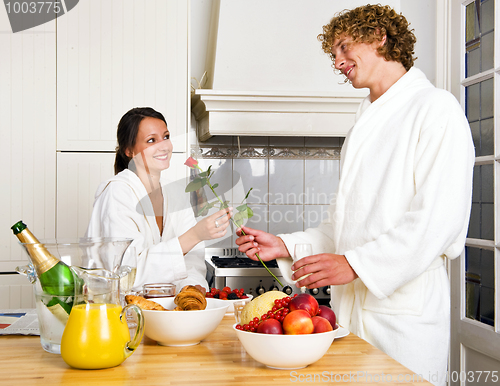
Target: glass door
point(475, 339)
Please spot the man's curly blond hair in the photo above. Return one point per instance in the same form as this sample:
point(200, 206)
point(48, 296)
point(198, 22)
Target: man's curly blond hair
point(368, 24)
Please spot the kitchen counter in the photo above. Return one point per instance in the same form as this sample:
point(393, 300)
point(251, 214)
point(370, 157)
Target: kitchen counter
point(218, 360)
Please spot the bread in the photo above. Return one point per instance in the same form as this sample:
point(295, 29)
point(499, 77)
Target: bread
point(144, 304)
point(191, 298)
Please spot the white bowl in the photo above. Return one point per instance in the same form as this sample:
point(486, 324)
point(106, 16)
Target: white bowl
point(230, 309)
point(183, 328)
point(286, 352)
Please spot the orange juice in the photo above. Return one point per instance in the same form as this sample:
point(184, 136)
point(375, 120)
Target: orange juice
point(95, 337)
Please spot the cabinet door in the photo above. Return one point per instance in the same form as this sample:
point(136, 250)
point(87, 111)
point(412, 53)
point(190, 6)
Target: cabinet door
point(16, 292)
point(115, 55)
point(78, 176)
point(28, 135)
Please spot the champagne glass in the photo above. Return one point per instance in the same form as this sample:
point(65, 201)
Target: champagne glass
point(128, 271)
point(301, 251)
point(127, 274)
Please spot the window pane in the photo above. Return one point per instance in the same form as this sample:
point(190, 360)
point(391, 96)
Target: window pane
point(480, 111)
point(486, 137)
point(479, 37)
point(487, 195)
point(475, 128)
point(472, 102)
point(481, 224)
point(487, 16)
point(474, 231)
point(487, 305)
point(487, 50)
point(471, 23)
point(486, 98)
point(487, 222)
point(479, 299)
point(473, 58)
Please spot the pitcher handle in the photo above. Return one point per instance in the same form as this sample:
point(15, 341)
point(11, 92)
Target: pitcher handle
point(139, 331)
point(28, 271)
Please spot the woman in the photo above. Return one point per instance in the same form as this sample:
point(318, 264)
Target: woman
point(133, 204)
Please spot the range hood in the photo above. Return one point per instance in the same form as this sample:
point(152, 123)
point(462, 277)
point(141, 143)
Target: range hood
point(265, 76)
point(268, 113)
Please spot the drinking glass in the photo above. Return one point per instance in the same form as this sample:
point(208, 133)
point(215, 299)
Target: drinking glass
point(158, 290)
point(128, 271)
point(301, 251)
point(238, 307)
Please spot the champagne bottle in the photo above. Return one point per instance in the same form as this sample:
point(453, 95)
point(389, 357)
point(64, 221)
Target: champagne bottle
point(55, 277)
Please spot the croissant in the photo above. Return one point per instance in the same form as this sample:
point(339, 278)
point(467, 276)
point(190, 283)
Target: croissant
point(190, 298)
point(144, 304)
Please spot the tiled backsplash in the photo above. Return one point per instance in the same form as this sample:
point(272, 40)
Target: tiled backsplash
point(293, 178)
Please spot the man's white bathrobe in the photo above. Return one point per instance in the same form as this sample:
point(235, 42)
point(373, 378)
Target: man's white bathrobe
point(122, 208)
point(402, 206)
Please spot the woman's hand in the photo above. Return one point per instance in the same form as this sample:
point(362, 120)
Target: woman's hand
point(211, 227)
point(268, 246)
point(325, 269)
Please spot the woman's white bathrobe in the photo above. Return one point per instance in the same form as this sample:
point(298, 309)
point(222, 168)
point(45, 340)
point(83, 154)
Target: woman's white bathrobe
point(122, 208)
point(402, 206)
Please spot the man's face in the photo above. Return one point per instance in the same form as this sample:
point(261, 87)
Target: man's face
point(359, 62)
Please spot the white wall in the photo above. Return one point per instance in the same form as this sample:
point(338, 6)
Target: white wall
point(272, 45)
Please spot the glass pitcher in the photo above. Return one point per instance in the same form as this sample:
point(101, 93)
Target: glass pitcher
point(97, 335)
point(97, 252)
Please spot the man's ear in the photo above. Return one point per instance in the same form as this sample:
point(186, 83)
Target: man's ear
point(383, 41)
point(384, 38)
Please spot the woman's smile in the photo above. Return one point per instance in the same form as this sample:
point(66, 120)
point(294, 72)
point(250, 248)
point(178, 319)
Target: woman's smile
point(162, 157)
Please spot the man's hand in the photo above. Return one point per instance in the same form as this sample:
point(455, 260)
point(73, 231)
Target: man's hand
point(325, 269)
point(268, 246)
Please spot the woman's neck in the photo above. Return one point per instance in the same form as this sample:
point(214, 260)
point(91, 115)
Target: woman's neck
point(151, 181)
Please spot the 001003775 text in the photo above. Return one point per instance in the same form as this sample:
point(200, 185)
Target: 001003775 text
point(472, 376)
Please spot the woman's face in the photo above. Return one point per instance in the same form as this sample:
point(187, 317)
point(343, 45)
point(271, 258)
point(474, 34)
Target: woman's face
point(153, 148)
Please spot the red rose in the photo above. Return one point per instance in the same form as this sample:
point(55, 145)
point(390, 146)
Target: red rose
point(191, 162)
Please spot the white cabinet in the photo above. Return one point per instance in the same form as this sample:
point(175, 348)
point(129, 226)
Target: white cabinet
point(115, 55)
point(64, 87)
point(28, 133)
point(16, 292)
point(78, 176)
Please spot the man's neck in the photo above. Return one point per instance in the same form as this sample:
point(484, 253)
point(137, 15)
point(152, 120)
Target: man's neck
point(393, 71)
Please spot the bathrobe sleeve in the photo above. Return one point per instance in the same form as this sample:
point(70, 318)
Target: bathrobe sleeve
point(116, 213)
point(180, 219)
point(436, 222)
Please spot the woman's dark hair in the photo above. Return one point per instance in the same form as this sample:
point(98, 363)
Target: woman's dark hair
point(370, 23)
point(128, 127)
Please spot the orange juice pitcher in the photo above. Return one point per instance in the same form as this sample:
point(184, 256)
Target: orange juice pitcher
point(97, 335)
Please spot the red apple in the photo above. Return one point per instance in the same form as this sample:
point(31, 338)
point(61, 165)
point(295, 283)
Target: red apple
point(270, 326)
point(321, 324)
point(298, 322)
point(305, 302)
point(328, 314)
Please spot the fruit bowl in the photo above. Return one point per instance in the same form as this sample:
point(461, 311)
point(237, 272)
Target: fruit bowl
point(183, 328)
point(287, 352)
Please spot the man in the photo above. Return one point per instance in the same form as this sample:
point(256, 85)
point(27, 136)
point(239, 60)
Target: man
point(403, 200)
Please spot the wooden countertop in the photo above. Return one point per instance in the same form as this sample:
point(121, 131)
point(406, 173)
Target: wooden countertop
point(218, 360)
